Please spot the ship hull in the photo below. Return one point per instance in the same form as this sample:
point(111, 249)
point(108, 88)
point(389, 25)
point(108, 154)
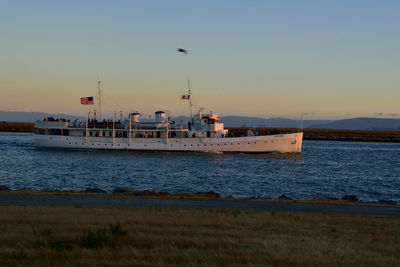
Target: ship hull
point(281, 143)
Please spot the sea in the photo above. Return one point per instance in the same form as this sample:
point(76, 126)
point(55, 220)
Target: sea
point(371, 171)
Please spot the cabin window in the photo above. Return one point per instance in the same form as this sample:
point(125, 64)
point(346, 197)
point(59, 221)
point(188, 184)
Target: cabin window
point(40, 131)
point(54, 131)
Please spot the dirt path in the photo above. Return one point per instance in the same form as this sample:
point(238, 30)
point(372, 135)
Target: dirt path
point(51, 200)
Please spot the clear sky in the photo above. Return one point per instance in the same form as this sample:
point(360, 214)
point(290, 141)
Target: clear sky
point(330, 59)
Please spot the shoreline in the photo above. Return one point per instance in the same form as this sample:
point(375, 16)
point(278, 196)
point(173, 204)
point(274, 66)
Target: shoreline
point(128, 193)
point(309, 134)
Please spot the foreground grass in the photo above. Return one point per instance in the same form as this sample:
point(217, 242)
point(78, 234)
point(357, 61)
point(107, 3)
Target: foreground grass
point(126, 236)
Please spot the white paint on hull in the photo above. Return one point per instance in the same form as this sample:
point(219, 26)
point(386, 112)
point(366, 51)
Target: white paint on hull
point(282, 143)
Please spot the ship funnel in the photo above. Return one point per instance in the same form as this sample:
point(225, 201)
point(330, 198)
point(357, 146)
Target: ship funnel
point(160, 116)
point(135, 117)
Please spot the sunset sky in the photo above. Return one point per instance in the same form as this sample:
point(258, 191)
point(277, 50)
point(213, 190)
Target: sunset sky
point(329, 59)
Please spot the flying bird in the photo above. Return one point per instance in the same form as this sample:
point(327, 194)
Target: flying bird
point(181, 50)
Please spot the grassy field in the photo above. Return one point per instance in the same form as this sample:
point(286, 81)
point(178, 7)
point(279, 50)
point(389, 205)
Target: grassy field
point(132, 236)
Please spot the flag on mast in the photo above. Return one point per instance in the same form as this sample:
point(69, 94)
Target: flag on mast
point(87, 100)
point(186, 96)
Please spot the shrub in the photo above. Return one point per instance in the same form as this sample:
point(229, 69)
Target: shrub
point(97, 238)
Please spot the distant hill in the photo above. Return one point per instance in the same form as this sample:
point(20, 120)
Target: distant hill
point(238, 121)
point(20, 116)
point(361, 124)
point(229, 121)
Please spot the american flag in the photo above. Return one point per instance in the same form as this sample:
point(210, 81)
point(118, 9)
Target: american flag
point(185, 96)
point(87, 100)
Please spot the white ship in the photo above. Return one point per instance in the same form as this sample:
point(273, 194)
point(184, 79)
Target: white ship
point(204, 133)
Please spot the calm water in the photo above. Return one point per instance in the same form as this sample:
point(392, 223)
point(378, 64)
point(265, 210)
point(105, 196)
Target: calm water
point(369, 170)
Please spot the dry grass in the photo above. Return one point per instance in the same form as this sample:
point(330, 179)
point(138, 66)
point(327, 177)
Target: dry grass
point(16, 126)
point(57, 236)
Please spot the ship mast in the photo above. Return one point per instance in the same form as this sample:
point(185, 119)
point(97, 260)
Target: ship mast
point(190, 100)
point(100, 107)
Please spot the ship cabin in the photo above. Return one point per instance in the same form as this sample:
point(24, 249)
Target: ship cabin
point(201, 125)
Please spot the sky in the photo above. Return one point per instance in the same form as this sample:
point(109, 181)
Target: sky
point(325, 59)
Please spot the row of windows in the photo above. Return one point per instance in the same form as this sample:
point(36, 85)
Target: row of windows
point(52, 131)
point(171, 144)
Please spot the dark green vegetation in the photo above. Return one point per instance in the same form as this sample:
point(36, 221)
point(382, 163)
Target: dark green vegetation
point(131, 236)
